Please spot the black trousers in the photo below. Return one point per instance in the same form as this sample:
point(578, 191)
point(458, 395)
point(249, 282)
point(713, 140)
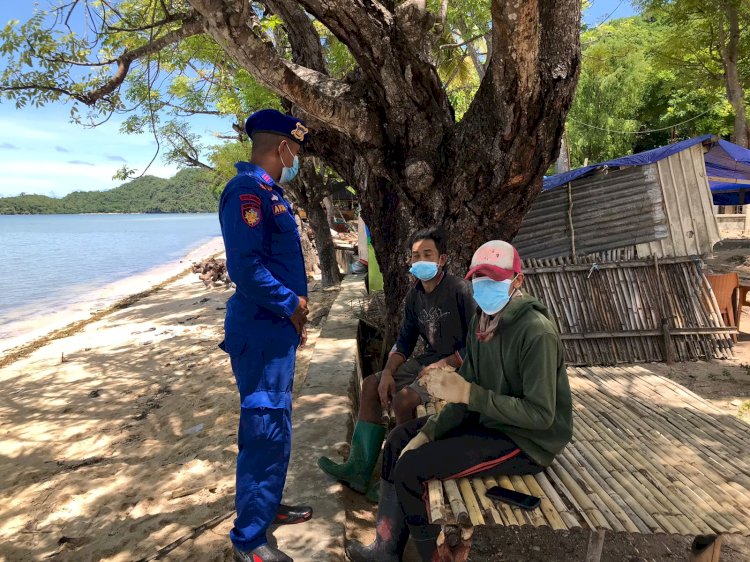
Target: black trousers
point(468, 450)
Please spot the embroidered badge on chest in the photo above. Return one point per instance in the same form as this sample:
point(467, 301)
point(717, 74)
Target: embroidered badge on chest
point(279, 209)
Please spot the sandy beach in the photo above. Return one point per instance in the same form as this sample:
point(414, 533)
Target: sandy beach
point(120, 438)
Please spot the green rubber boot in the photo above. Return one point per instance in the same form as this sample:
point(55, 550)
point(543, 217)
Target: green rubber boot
point(365, 448)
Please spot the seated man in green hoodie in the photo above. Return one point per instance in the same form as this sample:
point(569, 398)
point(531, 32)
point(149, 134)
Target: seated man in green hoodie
point(509, 408)
point(439, 307)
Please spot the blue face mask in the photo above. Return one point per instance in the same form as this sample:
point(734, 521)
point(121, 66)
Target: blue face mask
point(288, 174)
point(424, 270)
point(491, 296)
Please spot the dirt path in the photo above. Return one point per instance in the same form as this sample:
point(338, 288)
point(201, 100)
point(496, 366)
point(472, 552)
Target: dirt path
point(120, 439)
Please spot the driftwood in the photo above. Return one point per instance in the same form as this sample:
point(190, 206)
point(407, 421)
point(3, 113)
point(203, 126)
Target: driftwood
point(213, 272)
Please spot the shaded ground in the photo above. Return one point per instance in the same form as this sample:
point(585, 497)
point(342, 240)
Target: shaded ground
point(731, 255)
point(541, 544)
point(120, 439)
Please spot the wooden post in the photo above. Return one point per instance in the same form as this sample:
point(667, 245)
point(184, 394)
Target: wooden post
point(705, 548)
point(666, 336)
point(596, 544)
point(570, 224)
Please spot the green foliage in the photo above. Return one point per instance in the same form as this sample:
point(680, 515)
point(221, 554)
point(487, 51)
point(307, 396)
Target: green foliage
point(189, 191)
point(611, 88)
point(630, 84)
point(223, 158)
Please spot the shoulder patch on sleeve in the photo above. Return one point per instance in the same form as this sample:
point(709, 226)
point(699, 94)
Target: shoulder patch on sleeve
point(251, 211)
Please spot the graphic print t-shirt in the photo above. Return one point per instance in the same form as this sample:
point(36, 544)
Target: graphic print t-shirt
point(441, 317)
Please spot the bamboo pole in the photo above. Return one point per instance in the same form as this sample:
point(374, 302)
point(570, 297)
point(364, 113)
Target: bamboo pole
point(555, 477)
point(615, 503)
point(489, 509)
point(504, 509)
point(436, 502)
point(522, 516)
point(596, 490)
point(467, 492)
point(553, 518)
point(458, 507)
point(535, 515)
point(677, 463)
point(562, 510)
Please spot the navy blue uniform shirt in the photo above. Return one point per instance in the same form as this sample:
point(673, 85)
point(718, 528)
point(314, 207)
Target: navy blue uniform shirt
point(264, 253)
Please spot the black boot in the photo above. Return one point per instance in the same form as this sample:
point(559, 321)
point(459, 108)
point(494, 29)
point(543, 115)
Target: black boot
point(264, 553)
point(391, 532)
point(292, 514)
point(425, 539)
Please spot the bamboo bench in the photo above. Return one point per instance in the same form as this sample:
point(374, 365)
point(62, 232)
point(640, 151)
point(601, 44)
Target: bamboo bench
point(648, 456)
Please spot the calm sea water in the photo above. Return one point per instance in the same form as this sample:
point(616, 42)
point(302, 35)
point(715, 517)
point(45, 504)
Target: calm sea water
point(50, 261)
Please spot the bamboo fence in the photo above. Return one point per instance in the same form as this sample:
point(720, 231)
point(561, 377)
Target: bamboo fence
point(647, 456)
point(610, 311)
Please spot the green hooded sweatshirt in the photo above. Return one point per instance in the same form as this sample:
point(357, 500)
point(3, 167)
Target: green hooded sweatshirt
point(519, 383)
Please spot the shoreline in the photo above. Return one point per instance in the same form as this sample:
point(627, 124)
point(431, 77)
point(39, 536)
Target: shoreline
point(30, 334)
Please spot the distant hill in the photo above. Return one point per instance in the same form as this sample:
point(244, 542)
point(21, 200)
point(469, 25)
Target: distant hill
point(189, 191)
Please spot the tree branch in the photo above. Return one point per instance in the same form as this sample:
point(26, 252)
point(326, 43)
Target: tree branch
point(329, 100)
point(193, 26)
point(303, 37)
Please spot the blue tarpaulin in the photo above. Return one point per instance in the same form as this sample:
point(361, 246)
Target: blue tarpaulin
point(724, 159)
point(730, 161)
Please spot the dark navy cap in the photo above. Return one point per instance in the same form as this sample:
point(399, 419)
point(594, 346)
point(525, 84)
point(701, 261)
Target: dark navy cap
point(276, 123)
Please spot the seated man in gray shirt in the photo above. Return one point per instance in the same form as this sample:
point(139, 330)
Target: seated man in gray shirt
point(439, 307)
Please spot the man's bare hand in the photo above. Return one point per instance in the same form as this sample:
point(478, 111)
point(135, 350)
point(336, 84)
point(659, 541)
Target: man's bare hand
point(303, 337)
point(386, 388)
point(299, 318)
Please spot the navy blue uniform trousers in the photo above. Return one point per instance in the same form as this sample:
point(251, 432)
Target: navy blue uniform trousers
point(264, 438)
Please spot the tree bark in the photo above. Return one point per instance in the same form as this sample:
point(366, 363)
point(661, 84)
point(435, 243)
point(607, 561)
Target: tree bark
point(329, 267)
point(328, 205)
point(729, 44)
point(310, 189)
point(563, 159)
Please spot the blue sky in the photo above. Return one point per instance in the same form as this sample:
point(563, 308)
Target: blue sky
point(42, 152)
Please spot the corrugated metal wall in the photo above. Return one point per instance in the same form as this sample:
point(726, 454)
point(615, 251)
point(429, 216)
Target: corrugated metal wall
point(609, 210)
point(663, 209)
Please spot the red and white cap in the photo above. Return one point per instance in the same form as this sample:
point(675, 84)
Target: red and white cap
point(495, 259)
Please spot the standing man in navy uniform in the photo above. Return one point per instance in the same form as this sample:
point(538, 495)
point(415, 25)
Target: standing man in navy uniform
point(265, 323)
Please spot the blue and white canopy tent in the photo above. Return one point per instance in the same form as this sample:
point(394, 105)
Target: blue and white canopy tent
point(728, 172)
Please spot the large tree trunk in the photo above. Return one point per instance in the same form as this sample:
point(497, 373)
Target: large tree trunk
point(329, 267)
point(729, 55)
point(388, 128)
point(311, 188)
